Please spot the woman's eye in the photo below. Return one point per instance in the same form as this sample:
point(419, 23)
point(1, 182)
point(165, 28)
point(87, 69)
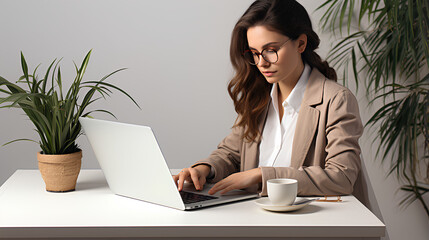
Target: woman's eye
point(271, 50)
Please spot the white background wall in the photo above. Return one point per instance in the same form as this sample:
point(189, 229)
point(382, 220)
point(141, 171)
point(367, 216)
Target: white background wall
point(177, 55)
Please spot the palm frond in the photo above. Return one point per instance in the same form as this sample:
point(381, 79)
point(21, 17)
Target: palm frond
point(387, 58)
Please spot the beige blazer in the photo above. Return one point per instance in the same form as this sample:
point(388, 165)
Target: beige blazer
point(325, 155)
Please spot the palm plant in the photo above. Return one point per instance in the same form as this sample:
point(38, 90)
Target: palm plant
point(390, 56)
point(55, 115)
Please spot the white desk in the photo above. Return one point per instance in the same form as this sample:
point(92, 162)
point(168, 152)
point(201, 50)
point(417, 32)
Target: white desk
point(28, 211)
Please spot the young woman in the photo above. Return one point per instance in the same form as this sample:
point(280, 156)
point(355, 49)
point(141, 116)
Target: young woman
point(294, 120)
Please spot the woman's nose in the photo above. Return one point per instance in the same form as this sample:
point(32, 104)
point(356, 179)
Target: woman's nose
point(262, 62)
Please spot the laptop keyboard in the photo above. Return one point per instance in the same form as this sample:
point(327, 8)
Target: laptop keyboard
point(189, 197)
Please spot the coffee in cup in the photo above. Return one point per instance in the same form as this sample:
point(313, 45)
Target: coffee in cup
point(282, 191)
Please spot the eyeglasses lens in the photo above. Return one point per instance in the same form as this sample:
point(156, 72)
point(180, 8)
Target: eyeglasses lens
point(270, 56)
point(253, 57)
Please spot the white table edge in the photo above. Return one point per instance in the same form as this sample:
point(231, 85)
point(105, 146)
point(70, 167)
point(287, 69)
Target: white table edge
point(186, 231)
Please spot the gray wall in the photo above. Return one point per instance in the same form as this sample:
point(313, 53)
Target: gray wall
point(177, 55)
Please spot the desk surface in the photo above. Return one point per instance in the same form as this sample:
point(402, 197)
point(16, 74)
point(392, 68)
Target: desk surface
point(28, 211)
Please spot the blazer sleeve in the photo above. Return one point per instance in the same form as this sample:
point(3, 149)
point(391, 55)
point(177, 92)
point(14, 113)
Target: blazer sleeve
point(342, 164)
point(226, 159)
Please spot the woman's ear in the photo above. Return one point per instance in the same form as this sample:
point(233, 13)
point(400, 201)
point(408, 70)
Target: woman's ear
point(302, 43)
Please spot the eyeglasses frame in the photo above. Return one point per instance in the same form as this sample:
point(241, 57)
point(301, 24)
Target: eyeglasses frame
point(262, 52)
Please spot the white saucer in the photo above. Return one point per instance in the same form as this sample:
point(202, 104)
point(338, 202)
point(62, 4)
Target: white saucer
point(299, 203)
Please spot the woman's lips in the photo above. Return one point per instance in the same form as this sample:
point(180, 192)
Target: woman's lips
point(269, 73)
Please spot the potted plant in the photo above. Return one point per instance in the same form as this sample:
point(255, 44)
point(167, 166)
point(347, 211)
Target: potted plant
point(55, 116)
point(390, 56)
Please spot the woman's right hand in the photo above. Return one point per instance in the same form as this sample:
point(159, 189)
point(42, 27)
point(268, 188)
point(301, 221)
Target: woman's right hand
point(197, 175)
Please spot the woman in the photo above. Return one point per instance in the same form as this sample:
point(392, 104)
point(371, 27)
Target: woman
point(294, 120)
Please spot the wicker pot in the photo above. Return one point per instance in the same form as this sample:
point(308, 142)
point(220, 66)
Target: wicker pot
point(60, 171)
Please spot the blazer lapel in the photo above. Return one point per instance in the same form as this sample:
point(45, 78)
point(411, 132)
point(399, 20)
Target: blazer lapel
point(308, 118)
point(251, 153)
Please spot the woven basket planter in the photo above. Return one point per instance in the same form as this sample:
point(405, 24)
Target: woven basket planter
point(60, 172)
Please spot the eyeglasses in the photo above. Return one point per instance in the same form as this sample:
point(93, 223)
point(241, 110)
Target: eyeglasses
point(269, 55)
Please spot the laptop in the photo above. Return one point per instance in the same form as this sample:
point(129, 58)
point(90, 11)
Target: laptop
point(134, 166)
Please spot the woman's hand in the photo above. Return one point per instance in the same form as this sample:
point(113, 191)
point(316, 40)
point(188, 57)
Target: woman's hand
point(238, 180)
point(197, 175)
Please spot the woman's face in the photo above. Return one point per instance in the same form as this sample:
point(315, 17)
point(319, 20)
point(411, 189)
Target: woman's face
point(289, 66)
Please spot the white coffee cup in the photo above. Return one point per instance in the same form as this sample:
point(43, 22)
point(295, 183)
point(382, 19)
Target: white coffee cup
point(282, 191)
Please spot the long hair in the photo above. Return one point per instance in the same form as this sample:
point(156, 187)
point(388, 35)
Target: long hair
point(248, 88)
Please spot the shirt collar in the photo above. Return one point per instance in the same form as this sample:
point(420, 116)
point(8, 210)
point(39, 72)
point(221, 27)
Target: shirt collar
point(295, 97)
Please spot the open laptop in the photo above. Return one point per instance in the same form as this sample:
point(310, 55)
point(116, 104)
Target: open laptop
point(134, 167)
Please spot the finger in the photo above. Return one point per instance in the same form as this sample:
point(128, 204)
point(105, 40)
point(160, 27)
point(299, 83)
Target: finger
point(182, 176)
point(203, 181)
point(195, 178)
point(212, 190)
point(217, 187)
point(175, 179)
point(227, 189)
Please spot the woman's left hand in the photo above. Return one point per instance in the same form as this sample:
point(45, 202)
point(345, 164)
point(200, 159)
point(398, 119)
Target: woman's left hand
point(238, 180)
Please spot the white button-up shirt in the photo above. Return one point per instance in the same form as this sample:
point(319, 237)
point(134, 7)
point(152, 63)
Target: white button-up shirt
point(277, 137)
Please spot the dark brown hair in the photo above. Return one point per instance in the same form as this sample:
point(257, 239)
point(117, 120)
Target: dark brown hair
point(248, 88)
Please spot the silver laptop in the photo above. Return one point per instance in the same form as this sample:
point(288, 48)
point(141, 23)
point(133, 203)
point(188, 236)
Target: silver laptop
point(134, 167)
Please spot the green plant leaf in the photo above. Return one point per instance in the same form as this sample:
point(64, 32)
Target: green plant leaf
point(25, 69)
point(117, 88)
point(45, 80)
point(99, 110)
point(16, 140)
